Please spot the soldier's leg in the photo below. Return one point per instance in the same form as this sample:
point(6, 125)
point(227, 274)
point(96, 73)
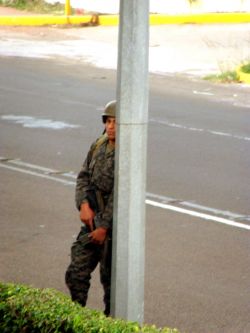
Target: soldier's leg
point(84, 259)
point(105, 273)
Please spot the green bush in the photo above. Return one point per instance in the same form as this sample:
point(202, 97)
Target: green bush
point(29, 310)
point(245, 68)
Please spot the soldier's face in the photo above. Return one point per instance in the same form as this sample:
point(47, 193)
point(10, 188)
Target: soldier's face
point(110, 127)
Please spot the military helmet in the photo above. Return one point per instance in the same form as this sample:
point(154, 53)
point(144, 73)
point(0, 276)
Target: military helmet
point(109, 110)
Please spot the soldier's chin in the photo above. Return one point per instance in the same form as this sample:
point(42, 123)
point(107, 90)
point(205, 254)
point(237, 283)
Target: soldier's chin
point(111, 136)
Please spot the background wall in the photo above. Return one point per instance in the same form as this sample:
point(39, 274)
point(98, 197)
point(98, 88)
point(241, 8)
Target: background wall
point(165, 6)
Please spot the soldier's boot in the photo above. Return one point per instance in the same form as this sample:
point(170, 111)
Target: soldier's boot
point(106, 300)
point(107, 310)
point(81, 299)
point(105, 272)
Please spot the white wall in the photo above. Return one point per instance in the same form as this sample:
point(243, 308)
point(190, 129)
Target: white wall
point(224, 5)
point(169, 6)
point(163, 6)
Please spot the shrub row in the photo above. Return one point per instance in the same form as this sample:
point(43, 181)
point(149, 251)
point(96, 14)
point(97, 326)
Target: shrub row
point(24, 309)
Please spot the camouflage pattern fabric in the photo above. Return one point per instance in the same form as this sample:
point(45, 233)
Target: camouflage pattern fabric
point(98, 172)
point(84, 259)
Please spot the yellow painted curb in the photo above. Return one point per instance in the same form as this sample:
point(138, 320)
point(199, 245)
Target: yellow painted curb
point(160, 19)
point(243, 77)
point(108, 19)
point(201, 18)
point(113, 20)
point(40, 20)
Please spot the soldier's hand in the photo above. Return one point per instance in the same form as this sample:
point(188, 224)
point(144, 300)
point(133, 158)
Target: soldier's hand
point(98, 235)
point(87, 215)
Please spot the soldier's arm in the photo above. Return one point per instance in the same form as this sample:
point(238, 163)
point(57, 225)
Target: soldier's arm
point(82, 185)
point(82, 182)
point(107, 215)
point(87, 215)
point(98, 236)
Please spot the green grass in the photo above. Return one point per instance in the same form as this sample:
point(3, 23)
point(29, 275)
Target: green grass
point(228, 76)
point(225, 77)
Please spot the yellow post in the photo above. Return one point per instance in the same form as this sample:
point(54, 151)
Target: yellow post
point(67, 7)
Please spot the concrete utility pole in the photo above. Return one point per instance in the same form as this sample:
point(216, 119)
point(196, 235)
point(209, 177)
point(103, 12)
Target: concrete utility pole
point(127, 294)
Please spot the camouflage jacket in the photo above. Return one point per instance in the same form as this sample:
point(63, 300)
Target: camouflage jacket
point(98, 171)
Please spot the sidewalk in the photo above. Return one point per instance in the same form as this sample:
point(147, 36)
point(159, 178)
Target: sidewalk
point(188, 49)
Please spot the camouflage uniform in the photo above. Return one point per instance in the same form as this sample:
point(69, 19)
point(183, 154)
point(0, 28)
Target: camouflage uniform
point(97, 171)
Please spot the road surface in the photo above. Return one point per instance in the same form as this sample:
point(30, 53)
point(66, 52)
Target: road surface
point(197, 230)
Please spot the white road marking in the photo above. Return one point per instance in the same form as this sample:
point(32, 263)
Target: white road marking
point(29, 165)
point(169, 124)
point(197, 207)
point(69, 174)
point(32, 122)
point(24, 168)
point(202, 93)
point(197, 214)
point(65, 182)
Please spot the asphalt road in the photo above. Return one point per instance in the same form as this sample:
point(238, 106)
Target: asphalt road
point(197, 267)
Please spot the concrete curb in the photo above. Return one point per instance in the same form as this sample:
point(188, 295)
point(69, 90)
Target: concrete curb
point(113, 20)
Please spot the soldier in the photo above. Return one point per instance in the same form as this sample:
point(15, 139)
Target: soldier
point(94, 199)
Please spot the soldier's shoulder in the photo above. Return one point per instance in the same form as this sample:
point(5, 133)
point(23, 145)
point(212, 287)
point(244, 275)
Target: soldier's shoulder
point(100, 141)
point(103, 138)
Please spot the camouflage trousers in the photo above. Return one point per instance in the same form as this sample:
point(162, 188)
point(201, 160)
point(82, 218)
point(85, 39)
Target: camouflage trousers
point(84, 259)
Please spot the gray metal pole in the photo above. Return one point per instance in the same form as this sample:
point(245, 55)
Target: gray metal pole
point(127, 292)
